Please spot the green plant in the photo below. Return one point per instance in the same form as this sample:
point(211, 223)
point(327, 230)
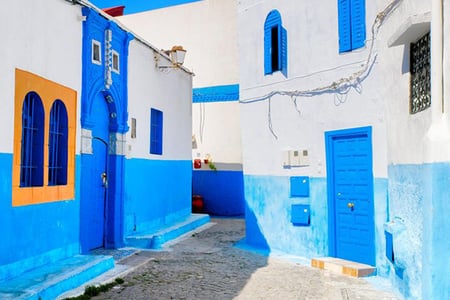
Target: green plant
point(212, 166)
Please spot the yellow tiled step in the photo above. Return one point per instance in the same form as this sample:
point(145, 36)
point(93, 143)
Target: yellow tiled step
point(342, 266)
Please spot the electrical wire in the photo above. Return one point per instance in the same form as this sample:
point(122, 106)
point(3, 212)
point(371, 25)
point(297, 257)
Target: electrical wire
point(339, 88)
point(343, 85)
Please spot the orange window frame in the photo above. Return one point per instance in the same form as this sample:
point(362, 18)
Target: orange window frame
point(48, 91)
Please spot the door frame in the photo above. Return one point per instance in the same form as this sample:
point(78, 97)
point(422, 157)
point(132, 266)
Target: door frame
point(329, 137)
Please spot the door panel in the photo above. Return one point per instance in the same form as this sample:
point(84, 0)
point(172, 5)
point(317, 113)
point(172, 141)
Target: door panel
point(93, 190)
point(352, 188)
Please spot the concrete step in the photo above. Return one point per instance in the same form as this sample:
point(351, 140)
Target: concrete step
point(342, 266)
point(49, 281)
point(155, 240)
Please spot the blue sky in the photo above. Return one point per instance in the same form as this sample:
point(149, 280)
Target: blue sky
point(135, 6)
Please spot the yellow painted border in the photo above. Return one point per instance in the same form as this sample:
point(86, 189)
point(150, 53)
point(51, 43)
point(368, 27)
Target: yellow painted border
point(48, 91)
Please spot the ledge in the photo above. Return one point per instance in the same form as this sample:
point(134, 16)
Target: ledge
point(411, 30)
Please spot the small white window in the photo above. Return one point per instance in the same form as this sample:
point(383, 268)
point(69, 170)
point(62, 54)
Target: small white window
point(115, 62)
point(96, 52)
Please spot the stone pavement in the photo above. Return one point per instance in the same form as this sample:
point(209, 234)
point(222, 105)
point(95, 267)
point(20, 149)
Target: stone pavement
point(207, 265)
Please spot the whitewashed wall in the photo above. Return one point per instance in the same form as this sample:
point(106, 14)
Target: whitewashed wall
point(314, 61)
point(42, 37)
point(165, 90)
point(208, 31)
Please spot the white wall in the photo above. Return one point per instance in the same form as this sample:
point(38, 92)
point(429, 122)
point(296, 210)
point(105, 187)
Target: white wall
point(165, 90)
point(206, 29)
point(313, 61)
point(42, 37)
point(217, 132)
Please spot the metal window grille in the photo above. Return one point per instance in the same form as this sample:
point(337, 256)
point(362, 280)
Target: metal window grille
point(420, 75)
point(32, 143)
point(57, 147)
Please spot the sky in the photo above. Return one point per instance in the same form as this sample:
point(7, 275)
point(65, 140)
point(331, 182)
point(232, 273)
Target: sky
point(135, 6)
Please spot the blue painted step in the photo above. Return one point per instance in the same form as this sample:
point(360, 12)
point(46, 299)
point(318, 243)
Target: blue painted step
point(47, 282)
point(155, 240)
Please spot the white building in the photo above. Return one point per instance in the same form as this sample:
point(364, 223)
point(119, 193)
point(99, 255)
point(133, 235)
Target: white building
point(341, 158)
point(208, 31)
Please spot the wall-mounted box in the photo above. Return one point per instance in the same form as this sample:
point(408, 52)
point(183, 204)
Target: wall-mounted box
point(298, 158)
point(295, 158)
point(299, 186)
point(300, 214)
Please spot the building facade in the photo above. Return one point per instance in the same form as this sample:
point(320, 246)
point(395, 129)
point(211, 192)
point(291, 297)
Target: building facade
point(98, 145)
point(345, 139)
point(212, 54)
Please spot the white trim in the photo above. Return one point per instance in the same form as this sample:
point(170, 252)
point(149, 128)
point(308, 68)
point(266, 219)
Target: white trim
point(94, 61)
point(115, 54)
point(411, 30)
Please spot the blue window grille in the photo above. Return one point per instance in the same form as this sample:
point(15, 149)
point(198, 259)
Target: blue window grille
point(32, 144)
point(57, 147)
point(156, 131)
point(352, 24)
point(275, 44)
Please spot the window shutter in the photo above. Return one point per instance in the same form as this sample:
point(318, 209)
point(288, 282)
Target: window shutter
point(267, 50)
point(344, 25)
point(284, 65)
point(273, 19)
point(358, 23)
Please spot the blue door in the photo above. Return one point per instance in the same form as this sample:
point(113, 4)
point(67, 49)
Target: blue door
point(94, 181)
point(350, 190)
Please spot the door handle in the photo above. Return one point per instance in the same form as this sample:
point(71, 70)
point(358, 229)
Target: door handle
point(104, 179)
point(351, 205)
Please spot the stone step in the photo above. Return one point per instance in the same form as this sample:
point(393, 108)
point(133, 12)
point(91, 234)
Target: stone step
point(342, 266)
point(49, 281)
point(155, 240)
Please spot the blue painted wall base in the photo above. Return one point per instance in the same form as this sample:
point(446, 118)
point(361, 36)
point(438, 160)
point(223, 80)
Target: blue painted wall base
point(222, 191)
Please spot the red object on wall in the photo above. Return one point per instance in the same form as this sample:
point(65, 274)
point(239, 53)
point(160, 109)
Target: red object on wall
point(197, 204)
point(115, 11)
point(197, 163)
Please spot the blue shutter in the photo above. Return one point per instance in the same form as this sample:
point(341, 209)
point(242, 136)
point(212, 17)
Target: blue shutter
point(267, 50)
point(358, 23)
point(273, 19)
point(344, 26)
point(156, 131)
point(283, 51)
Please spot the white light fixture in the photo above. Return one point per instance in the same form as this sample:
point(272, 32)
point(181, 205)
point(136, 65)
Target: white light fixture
point(176, 54)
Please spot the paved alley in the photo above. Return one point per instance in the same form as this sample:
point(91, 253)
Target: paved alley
point(208, 266)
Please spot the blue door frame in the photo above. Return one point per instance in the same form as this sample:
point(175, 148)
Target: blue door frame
point(351, 228)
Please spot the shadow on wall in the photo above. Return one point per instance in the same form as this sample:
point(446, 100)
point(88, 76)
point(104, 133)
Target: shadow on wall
point(222, 191)
point(253, 234)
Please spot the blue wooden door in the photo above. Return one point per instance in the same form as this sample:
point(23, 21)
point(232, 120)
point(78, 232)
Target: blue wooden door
point(351, 193)
point(94, 181)
point(97, 203)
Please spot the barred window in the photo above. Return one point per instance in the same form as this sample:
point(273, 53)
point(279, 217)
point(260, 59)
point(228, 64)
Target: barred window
point(57, 147)
point(420, 75)
point(32, 145)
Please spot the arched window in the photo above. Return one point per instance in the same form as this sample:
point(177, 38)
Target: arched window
point(57, 146)
point(32, 143)
point(275, 44)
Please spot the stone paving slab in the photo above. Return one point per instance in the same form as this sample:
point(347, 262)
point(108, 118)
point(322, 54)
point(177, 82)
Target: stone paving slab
point(207, 265)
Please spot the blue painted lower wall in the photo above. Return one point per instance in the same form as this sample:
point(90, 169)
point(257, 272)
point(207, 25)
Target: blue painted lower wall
point(412, 206)
point(157, 193)
point(418, 207)
point(268, 216)
point(34, 235)
point(222, 191)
